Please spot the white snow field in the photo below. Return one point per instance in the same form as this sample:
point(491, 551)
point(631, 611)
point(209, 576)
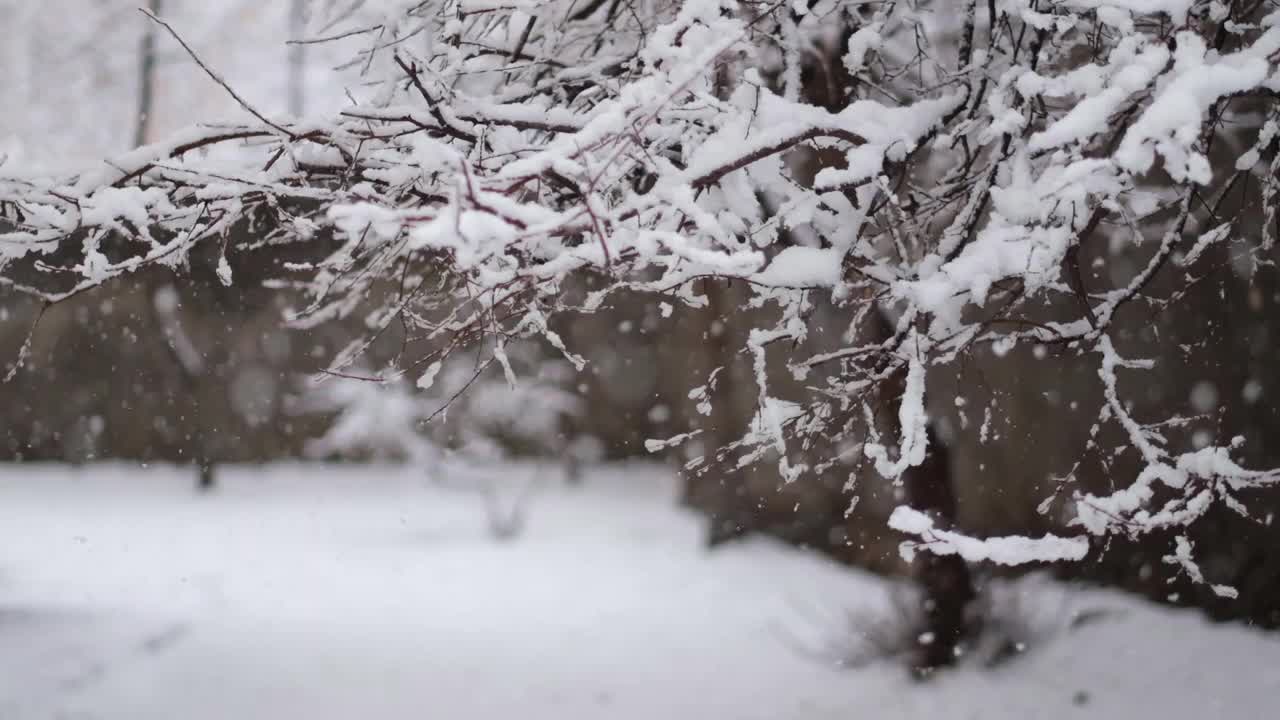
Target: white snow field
point(325, 593)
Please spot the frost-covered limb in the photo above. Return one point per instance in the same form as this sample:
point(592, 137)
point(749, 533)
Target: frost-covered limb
point(1014, 550)
point(1170, 491)
point(913, 422)
point(1182, 557)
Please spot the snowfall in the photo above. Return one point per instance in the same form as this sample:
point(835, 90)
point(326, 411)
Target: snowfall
point(319, 592)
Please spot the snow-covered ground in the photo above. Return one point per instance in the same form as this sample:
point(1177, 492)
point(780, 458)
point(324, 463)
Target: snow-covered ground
point(358, 592)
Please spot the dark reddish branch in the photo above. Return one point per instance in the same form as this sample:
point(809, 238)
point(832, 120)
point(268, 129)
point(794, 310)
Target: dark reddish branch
point(180, 150)
point(445, 126)
point(481, 50)
point(966, 35)
point(524, 38)
point(715, 175)
point(1074, 276)
point(547, 126)
point(216, 77)
point(587, 10)
point(336, 36)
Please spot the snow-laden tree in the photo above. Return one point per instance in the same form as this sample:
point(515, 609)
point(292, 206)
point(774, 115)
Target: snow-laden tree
point(941, 170)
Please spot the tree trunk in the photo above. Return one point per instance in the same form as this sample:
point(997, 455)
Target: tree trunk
point(146, 78)
point(190, 367)
point(946, 586)
point(714, 488)
point(297, 58)
point(205, 481)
